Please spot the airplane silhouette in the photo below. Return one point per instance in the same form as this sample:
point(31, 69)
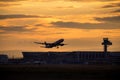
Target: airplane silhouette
point(51, 45)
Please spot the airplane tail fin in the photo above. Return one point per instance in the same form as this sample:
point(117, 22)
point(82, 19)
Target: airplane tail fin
point(45, 42)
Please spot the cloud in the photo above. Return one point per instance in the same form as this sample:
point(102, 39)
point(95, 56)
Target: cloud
point(12, 16)
point(38, 25)
point(67, 7)
point(116, 11)
point(26, 0)
point(109, 19)
point(78, 25)
point(11, 0)
point(6, 29)
point(55, 0)
point(7, 4)
point(112, 5)
point(75, 0)
point(117, 4)
point(108, 6)
point(92, 0)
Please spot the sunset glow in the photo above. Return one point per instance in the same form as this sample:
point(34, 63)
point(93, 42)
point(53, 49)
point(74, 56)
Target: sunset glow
point(83, 24)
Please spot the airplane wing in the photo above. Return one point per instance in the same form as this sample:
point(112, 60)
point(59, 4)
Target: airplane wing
point(39, 43)
point(43, 43)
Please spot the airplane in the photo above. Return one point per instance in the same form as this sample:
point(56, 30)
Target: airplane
point(51, 45)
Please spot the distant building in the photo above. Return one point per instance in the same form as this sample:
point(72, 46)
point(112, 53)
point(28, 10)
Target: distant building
point(75, 57)
point(3, 59)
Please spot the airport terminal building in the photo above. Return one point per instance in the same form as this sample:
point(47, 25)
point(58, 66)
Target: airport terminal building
point(75, 57)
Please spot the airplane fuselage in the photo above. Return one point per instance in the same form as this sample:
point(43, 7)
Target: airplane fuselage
point(57, 43)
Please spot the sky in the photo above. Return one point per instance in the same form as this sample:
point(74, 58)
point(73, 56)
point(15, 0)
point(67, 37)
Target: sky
point(82, 23)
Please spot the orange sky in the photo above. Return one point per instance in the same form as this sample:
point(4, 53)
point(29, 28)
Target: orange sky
point(82, 23)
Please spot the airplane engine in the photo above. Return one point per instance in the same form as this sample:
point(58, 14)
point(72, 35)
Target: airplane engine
point(61, 44)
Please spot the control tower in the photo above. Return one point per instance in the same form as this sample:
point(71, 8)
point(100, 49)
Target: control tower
point(106, 43)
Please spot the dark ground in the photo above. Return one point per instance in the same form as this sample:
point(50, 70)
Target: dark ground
point(59, 72)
